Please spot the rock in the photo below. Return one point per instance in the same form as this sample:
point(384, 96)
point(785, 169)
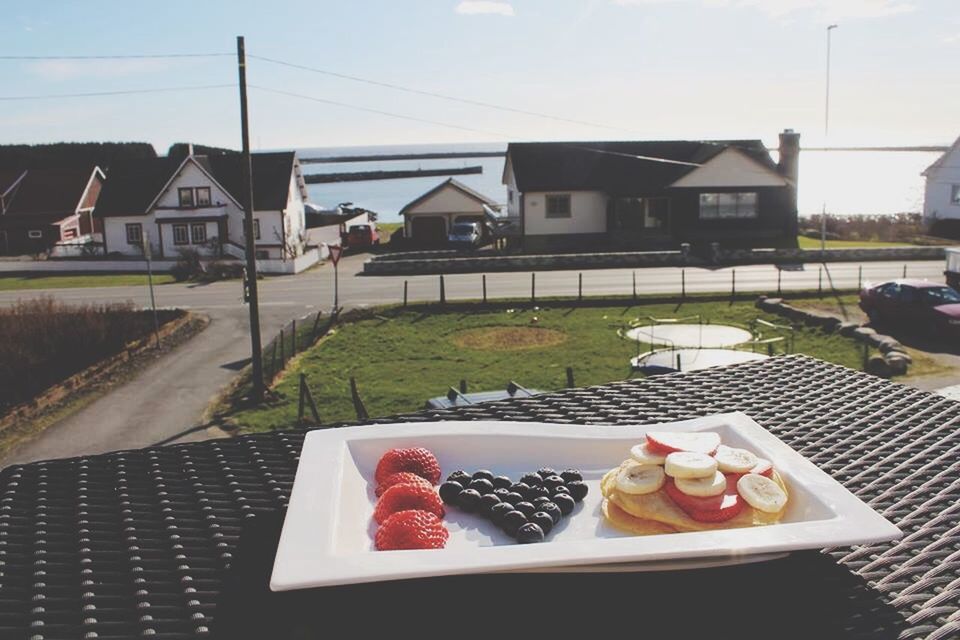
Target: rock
point(878, 366)
point(899, 354)
point(886, 344)
point(769, 304)
point(897, 364)
point(847, 328)
point(830, 324)
point(863, 334)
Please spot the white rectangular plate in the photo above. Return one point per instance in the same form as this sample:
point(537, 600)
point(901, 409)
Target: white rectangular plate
point(327, 538)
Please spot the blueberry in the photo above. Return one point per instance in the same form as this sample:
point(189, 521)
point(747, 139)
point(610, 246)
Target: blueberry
point(502, 482)
point(501, 493)
point(468, 500)
point(531, 479)
point(571, 475)
point(513, 497)
point(561, 489)
point(511, 521)
point(482, 485)
point(537, 492)
point(525, 508)
point(565, 502)
point(542, 520)
point(460, 476)
point(482, 474)
point(449, 491)
point(499, 510)
point(522, 488)
point(578, 490)
point(553, 510)
point(487, 503)
point(539, 500)
point(529, 532)
point(552, 482)
point(546, 472)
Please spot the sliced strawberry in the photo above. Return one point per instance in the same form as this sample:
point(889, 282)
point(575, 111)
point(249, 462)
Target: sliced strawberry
point(666, 442)
point(404, 477)
point(411, 529)
point(764, 468)
point(415, 460)
point(713, 509)
point(401, 497)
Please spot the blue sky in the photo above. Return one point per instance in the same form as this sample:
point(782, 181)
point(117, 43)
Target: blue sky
point(641, 68)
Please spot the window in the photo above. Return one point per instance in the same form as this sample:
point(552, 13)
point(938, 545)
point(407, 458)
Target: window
point(657, 214)
point(135, 233)
point(728, 205)
point(186, 196)
point(636, 214)
point(955, 194)
point(203, 196)
point(558, 205)
point(69, 233)
point(256, 229)
point(180, 235)
point(34, 233)
point(198, 233)
point(510, 196)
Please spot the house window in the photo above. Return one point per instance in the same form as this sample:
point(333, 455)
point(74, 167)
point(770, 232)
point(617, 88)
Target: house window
point(186, 196)
point(635, 214)
point(558, 205)
point(180, 235)
point(510, 196)
point(955, 194)
point(69, 233)
point(34, 233)
point(198, 233)
point(256, 229)
point(657, 215)
point(135, 233)
point(203, 196)
point(728, 205)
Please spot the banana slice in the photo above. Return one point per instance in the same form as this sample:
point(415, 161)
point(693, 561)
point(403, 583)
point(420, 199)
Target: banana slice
point(702, 487)
point(731, 460)
point(642, 454)
point(761, 493)
point(637, 479)
point(685, 464)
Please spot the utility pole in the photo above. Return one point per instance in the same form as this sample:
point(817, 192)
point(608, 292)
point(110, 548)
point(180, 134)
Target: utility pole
point(826, 131)
point(256, 355)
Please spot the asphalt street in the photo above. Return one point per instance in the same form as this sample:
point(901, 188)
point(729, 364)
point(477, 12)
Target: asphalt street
point(170, 395)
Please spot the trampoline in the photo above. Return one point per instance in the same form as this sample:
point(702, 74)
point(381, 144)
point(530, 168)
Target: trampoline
point(708, 336)
point(690, 359)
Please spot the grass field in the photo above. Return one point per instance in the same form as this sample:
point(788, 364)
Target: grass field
point(811, 243)
point(401, 358)
point(17, 282)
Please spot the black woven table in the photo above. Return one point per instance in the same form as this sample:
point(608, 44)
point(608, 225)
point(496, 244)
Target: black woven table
point(140, 543)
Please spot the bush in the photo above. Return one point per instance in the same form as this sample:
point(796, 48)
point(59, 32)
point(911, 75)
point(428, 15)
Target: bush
point(224, 270)
point(45, 342)
point(188, 266)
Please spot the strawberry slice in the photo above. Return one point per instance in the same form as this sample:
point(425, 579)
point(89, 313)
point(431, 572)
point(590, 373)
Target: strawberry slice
point(718, 508)
point(764, 468)
point(666, 442)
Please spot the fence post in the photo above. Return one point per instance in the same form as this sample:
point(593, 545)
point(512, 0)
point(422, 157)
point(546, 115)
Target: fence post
point(282, 359)
point(443, 291)
point(570, 383)
point(357, 402)
point(484, 288)
point(273, 361)
point(301, 400)
point(779, 275)
point(405, 293)
point(463, 386)
point(293, 339)
point(820, 282)
point(533, 287)
point(313, 333)
point(904, 270)
point(634, 286)
point(580, 287)
point(305, 395)
point(683, 284)
point(678, 362)
point(733, 283)
point(859, 277)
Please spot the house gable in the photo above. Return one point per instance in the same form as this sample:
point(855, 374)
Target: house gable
point(190, 174)
point(731, 168)
point(449, 197)
point(949, 159)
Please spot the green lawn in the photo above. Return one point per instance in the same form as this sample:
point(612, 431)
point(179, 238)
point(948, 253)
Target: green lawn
point(811, 243)
point(403, 357)
point(17, 282)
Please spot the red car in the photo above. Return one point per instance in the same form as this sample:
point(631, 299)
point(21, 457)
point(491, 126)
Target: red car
point(918, 304)
point(360, 235)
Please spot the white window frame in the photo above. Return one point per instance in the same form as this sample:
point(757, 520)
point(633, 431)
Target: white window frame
point(193, 199)
point(557, 197)
point(185, 228)
point(138, 240)
point(198, 200)
point(256, 229)
point(198, 226)
point(955, 194)
point(713, 213)
point(34, 234)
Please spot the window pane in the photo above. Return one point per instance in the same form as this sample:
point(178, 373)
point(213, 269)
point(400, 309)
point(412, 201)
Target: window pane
point(727, 205)
point(658, 211)
point(180, 234)
point(198, 233)
point(955, 194)
point(203, 196)
point(747, 205)
point(134, 233)
point(629, 213)
point(186, 197)
point(708, 205)
point(256, 229)
point(558, 206)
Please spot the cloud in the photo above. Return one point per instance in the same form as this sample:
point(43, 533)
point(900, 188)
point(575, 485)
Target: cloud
point(70, 69)
point(952, 39)
point(824, 9)
point(476, 7)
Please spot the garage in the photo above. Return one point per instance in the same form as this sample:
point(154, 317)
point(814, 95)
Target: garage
point(428, 219)
point(428, 230)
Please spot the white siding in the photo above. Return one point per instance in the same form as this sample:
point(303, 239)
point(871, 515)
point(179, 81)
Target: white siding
point(731, 168)
point(513, 203)
point(588, 214)
point(171, 250)
point(191, 176)
point(940, 181)
point(448, 200)
point(115, 235)
point(295, 222)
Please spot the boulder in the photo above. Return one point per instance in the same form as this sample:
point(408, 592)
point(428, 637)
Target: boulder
point(847, 328)
point(896, 363)
point(878, 366)
point(830, 324)
point(886, 344)
point(863, 334)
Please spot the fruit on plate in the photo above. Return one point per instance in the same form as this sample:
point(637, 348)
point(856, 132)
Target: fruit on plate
point(764, 468)
point(718, 508)
point(761, 493)
point(411, 529)
point(638, 479)
point(733, 460)
point(686, 464)
point(702, 487)
point(404, 477)
point(403, 497)
point(415, 460)
point(643, 454)
point(665, 442)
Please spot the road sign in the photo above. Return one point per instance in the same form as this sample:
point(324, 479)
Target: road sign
point(335, 252)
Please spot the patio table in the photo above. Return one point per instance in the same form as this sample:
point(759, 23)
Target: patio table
point(176, 541)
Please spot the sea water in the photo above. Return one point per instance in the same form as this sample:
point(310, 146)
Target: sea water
point(848, 182)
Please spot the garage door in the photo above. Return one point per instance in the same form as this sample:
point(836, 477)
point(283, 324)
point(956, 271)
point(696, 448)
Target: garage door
point(429, 230)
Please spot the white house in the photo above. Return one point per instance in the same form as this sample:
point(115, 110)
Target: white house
point(941, 199)
point(427, 220)
point(194, 203)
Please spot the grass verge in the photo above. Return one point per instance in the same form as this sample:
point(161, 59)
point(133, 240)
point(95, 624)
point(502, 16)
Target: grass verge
point(812, 243)
point(23, 282)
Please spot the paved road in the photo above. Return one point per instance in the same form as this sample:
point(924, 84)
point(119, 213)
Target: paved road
point(170, 395)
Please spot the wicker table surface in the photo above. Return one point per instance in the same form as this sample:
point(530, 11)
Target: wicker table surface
point(138, 543)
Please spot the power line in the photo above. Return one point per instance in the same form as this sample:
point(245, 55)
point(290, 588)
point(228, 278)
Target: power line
point(433, 94)
point(377, 111)
point(120, 57)
point(93, 94)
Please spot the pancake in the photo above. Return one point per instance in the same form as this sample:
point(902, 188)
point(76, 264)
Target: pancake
point(620, 519)
point(659, 508)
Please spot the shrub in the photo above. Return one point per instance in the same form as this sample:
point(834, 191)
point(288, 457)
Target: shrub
point(188, 266)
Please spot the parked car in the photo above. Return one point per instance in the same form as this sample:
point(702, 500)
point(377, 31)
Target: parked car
point(921, 305)
point(360, 235)
point(465, 234)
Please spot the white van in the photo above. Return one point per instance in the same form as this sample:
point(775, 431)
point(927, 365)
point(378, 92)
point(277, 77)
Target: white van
point(465, 234)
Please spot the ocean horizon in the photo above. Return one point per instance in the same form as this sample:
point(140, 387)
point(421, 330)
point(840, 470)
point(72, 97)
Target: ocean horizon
point(847, 182)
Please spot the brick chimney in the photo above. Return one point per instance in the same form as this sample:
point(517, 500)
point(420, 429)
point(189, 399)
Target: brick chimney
point(789, 163)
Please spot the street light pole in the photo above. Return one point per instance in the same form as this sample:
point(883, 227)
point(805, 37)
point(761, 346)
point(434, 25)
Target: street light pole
point(826, 130)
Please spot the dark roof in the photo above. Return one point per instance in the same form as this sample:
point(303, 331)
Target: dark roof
point(8, 177)
point(50, 191)
point(131, 187)
point(614, 167)
point(456, 184)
